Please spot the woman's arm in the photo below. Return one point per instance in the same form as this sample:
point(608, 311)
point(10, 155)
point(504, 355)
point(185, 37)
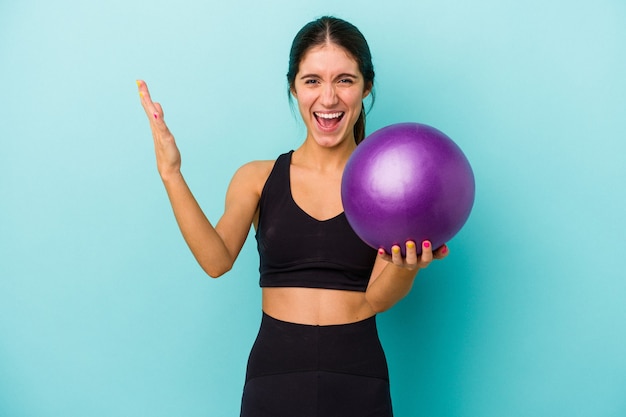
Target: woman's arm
point(393, 276)
point(215, 248)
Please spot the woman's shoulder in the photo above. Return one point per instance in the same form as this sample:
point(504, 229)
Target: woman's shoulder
point(256, 169)
point(259, 169)
point(254, 174)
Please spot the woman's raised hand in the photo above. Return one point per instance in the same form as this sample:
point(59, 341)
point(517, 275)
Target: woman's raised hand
point(167, 153)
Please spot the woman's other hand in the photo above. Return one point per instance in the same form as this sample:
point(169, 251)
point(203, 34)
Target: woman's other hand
point(412, 260)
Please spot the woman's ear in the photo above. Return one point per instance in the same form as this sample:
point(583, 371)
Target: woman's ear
point(368, 89)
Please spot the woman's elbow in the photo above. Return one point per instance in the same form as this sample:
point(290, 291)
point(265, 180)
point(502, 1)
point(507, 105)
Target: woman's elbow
point(217, 270)
point(378, 306)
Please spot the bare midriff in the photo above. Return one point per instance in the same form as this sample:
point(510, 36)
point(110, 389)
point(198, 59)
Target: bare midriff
point(315, 306)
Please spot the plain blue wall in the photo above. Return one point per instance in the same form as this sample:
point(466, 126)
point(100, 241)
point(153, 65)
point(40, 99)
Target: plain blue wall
point(103, 311)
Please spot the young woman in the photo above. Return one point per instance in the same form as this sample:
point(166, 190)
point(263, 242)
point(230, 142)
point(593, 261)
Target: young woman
point(317, 352)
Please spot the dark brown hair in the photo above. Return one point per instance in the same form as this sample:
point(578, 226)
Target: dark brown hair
point(330, 29)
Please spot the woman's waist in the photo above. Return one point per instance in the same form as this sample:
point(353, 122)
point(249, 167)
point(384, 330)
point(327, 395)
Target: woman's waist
point(316, 306)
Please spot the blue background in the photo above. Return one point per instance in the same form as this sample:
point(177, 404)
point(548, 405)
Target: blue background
point(103, 311)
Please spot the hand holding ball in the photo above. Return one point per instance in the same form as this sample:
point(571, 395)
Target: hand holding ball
point(407, 181)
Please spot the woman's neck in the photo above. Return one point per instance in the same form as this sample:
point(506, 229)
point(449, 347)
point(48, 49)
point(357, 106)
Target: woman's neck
point(323, 158)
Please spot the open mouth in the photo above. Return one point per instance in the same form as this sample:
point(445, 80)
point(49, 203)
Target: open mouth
point(328, 120)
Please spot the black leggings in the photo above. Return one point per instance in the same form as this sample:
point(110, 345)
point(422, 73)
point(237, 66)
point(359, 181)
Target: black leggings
point(298, 370)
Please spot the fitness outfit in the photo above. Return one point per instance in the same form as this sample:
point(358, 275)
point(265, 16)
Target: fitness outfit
point(299, 370)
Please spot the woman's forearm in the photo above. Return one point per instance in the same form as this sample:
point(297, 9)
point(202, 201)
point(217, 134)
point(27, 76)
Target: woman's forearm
point(205, 243)
point(392, 284)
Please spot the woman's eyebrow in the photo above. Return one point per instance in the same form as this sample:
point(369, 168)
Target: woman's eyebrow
point(342, 75)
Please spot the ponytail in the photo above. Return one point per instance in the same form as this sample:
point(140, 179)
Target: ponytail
point(359, 127)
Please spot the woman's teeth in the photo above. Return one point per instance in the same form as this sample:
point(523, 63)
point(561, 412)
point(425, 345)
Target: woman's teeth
point(329, 115)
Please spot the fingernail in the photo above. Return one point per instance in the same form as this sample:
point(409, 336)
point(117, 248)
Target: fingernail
point(395, 249)
point(381, 251)
point(426, 244)
point(141, 94)
point(444, 249)
point(156, 115)
point(138, 83)
point(410, 244)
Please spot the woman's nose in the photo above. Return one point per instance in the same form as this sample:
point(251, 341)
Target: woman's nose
point(329, 95)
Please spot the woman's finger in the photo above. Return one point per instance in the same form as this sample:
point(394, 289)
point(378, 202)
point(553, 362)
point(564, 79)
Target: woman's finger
point(411, 258)
point(396, 255)
point(427, 254)
point(384, 255)
point(159, 111)
point(154, 111)
point(441, 252)
point(149, 106)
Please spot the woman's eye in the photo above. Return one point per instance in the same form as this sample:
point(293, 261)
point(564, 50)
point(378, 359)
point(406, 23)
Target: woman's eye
point(311, 81)
point(345, 81)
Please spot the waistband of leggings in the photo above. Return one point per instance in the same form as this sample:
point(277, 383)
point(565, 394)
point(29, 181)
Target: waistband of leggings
point(364, 323)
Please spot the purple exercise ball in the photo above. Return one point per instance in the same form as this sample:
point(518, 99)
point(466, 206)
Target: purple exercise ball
point(407, 181)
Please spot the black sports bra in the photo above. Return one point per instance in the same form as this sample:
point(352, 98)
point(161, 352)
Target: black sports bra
point(297, 250)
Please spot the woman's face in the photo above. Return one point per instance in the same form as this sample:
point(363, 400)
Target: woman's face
point(329, 88)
